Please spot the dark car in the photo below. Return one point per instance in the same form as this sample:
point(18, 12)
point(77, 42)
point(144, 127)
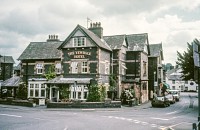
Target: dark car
point(161, 101)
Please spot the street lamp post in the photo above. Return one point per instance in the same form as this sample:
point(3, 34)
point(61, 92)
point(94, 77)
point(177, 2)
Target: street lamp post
point(74, 93)
point(0, 75)
point(154, 81)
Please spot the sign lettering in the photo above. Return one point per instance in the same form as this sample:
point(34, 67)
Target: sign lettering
point(79, 54)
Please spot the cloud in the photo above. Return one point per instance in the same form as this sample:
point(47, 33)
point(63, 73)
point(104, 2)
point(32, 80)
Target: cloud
point(174, 23)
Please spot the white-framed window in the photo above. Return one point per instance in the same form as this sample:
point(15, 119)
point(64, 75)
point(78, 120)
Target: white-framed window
point(79, 41)
point(74, 67)
point(43, 90)
point(58, 68)
point(79, 67)
point(37, 90)
point(79, 92)
point(31, 90)
point(39, 68)
point(84, 67)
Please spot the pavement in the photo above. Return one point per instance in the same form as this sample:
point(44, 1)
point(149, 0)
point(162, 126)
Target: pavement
point(44, 107)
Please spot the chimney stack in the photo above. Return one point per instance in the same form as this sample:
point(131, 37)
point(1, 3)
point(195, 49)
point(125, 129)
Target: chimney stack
point(96, 29)
point(53, 38)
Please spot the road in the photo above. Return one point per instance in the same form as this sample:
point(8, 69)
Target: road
point(178, 116)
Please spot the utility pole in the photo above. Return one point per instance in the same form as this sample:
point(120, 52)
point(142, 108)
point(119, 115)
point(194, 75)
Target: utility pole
point(0, 75)
point(196, 56)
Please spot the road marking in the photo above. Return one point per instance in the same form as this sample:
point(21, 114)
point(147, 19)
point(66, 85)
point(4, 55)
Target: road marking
point(88, 109)
point(153, 125)
point(139, 122)
point(171, 112)
point(39, 119)
point(145, 123)
point(159, 118)
point(10, 115)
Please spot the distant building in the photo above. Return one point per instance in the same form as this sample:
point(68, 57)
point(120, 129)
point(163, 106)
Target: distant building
point(6, 67)
point(156, 70)
point(175, 81)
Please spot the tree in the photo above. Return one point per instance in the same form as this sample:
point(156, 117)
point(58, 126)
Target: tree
point(113, 83)
point(186, 61)
point(102, 91)
point(51, 73)
point(64, 92)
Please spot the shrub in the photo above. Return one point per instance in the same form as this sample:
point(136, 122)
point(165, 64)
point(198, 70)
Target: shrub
point(22, 92)
point(94, 95)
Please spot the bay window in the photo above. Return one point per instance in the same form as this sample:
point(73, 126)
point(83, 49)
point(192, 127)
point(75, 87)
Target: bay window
point(79, 92)
point(36, 90)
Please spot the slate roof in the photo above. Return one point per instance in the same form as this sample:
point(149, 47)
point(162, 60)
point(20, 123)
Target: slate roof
point(7, 59)
point(156, 50)
point(41, 50)
point(139, 40)
point(99, 42)
point(174, 74)
point(12, 82)
point(115, 41)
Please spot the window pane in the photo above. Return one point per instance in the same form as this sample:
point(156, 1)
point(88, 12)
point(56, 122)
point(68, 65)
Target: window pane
point(85, 95)
point(42, 86)
point(79, 95)
point(84, 67)
point(36, 93)
point(74, 67)
point(74, 94)
point(31, 85)
point(36, 85)
point(31, 92)
point(43, 93)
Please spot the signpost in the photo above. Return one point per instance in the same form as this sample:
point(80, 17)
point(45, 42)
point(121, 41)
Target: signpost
point(196, 57)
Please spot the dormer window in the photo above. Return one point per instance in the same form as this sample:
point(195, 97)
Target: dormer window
point(39, 68)
point(79, 42)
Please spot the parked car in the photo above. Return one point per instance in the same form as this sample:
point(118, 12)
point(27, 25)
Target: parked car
point(160, 101)
point(171, 98)
point(175, 94)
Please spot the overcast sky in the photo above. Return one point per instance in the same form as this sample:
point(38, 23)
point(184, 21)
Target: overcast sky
point(172, 22)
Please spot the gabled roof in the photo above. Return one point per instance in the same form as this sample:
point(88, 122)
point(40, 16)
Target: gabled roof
point(156, 50)
point(115, 41)
point(99, 42)
point(7, 59)
point(41, 50)
point(174, 74)
point(12, 82)
point(139, 40)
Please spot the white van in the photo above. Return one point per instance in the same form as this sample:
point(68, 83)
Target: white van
point(175, 94)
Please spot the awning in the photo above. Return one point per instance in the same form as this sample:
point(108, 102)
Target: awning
point(59, 80)
point(166, 86)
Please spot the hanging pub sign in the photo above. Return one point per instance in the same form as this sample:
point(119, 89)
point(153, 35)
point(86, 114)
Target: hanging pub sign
point(79, 54)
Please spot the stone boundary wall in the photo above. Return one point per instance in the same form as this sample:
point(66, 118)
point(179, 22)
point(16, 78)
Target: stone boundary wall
point(16, 102)
point(113, 104)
